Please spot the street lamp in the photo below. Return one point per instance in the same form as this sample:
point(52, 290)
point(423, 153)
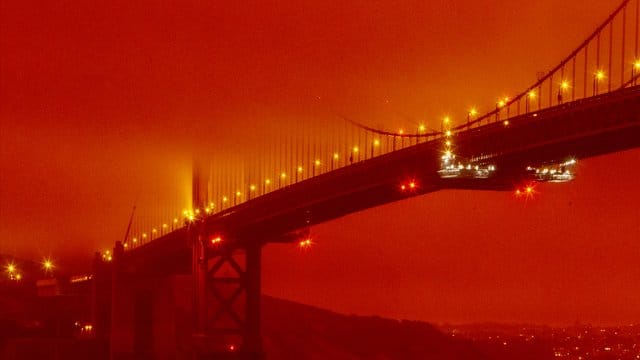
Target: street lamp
point(634, 69)
point(530, 96)
point(564, 86)
point(472, 113)
point(599, 76)
point(316, 164)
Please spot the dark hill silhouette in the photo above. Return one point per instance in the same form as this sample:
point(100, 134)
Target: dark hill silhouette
point(297, 331)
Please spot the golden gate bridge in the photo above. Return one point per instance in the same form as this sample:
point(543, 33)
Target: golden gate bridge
point(586, 105)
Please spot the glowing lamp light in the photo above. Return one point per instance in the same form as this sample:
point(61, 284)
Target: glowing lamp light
point(473, 111)
point(599, 75)
point(501, 103)
point(355, 149)
point(403, 187)
point(135, 240)
point(216, 240)
point(448, 142)
point(531, 94)
point(636, 65)
point(299, 169)
point(306, 243)
point(144, 236)
point(506, 123)
point(225, 199)
point(376, 142)
point(448, 133)
point(412, 185)
point(267, 182)
point(164, 226)
point(317, 162)
point(11, 268)
point(153, 231)
point(18, 277)
point(283, 175)
point(529, 189)
point(238, 193)
point(564, 85)
point(197, 211)
point(231, 347)
point(48, 264)
point(175, 220)
point(400, 131)
point(336, 156)
point(252, 187)
point(422, 128)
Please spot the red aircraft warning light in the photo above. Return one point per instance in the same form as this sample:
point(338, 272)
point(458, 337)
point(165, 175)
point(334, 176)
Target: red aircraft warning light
point(528, 191)
point(409, 185)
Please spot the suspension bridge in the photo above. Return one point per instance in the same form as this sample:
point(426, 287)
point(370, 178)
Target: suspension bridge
point(586, 105)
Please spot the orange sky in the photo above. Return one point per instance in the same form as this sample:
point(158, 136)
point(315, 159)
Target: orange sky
point(101, 104)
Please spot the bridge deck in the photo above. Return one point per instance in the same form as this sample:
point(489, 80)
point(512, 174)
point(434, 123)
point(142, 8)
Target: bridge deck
point(584, 128)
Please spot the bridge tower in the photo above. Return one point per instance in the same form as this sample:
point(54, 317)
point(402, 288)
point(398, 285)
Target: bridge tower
point(226, 287)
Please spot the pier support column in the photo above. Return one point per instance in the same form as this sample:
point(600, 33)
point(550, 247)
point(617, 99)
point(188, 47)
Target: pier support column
point(227, 301)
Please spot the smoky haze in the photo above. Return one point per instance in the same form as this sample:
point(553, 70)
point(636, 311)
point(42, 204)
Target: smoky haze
point(103, 106)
